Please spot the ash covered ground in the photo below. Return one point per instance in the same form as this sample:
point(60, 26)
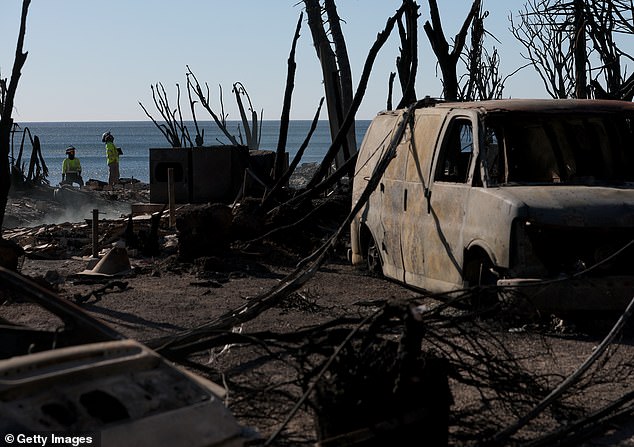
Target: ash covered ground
point(337, 335)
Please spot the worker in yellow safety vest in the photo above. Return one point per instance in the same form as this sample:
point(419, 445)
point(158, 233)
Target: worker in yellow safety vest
point(112, 155)
point(71, 168)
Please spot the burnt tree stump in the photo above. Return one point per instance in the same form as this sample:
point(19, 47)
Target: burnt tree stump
point(382, 392)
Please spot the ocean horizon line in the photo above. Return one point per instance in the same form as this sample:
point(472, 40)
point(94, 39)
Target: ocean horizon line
point(161, 122)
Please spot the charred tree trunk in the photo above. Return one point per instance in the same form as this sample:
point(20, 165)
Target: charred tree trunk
point(475, 57)
point(407, 63)
point(341, 53)
point(328, 63)
point(381, 38)
point(345, 80)
point(448, 60)
point(581, 56)
point(334, 91)
point(6, 121)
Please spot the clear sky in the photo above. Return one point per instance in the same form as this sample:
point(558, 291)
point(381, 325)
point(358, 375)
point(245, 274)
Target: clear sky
point(92, 60)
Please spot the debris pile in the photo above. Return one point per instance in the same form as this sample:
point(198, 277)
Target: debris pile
point(43, 204)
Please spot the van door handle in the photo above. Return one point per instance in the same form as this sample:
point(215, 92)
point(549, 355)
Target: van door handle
point(366, 178)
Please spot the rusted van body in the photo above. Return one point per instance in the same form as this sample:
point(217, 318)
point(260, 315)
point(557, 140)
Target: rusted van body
point(518, 193)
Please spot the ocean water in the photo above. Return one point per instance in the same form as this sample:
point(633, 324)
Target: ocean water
point(136, 138)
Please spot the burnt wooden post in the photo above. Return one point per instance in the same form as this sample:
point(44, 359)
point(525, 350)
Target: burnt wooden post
point(171, 197)
point(95, 233)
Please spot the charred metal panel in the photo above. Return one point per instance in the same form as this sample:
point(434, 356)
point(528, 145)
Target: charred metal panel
point(489, 218)
point(576, 206)
point(426, 133)
point(201, 174)
point(375, 143)
point(211, 174)
point(393, 198)
point(449, 196)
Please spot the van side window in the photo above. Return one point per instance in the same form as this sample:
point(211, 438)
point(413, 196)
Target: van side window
point(456, 150)
point(492, 156)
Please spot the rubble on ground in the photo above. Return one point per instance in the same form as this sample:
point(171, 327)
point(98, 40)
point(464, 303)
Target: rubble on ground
point(42, 204)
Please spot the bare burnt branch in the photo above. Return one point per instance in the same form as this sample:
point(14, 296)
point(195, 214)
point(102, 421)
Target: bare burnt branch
point(204, 101)
point(504, 435)
point(161, 101)
point(251, 130)
point(200, 135)
point(161, 127)
point(169, 127)
point(482, 79)
point(37, 152)
point(574, 48)
point(38, 170)
point(296, 159)
point(280, 157)
point(545, 38)
point(184, 132)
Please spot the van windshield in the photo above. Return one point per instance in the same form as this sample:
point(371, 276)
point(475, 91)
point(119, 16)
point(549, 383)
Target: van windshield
point(558, 149)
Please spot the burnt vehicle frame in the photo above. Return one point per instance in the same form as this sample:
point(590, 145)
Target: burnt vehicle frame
point(534, 196)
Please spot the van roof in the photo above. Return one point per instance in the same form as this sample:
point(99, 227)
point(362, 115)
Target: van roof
point(542, 105)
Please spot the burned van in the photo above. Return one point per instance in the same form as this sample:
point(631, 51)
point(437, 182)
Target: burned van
point(536, 196)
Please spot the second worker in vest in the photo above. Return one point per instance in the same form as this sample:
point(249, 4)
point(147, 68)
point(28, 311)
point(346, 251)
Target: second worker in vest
point(71, 168)
point(112, 155)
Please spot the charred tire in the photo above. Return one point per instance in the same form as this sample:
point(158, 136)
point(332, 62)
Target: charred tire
point(373, 258)
point(479, 273)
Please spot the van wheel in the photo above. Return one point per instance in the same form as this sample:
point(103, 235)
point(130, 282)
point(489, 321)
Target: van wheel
point(479, 273)
point(373, 257)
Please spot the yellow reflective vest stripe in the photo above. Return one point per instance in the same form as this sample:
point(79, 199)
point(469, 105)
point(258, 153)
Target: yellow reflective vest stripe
point(111, 152)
